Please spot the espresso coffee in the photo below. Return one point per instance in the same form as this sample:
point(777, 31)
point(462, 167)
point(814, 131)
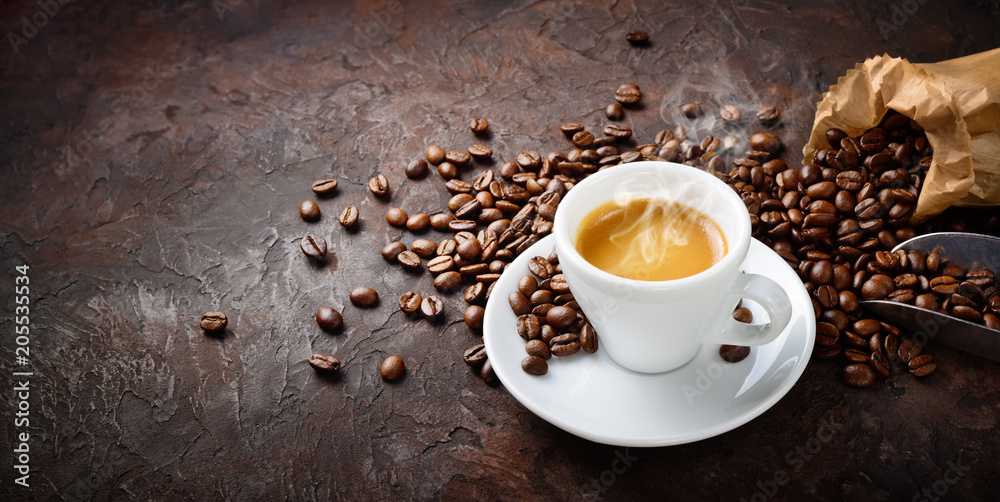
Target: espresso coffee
point(650, 239)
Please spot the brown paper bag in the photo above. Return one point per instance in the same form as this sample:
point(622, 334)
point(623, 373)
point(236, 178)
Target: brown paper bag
point(957, 102)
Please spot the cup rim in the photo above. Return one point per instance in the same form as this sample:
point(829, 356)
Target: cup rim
point(736, 252)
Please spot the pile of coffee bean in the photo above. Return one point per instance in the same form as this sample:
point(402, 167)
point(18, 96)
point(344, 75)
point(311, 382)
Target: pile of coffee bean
point(835, 220)
point(549, 317)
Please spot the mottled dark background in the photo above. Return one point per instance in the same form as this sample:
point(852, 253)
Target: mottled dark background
point(152, 158)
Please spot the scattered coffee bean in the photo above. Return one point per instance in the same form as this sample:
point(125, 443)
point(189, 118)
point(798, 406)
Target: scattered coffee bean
point(474, 317)
point(538, 348)
point(392, 250)
point(392, 368)
point(691, 110)
point(416, 169)
point(730, 113)
point(434, 154)
point(396, 217)
point(858, 375)
point(480, 152)
point(534, 365)
point(329, 319)
point(922, 365)
point(765, 141)
point(349, 217)
point(431, 307)
point(379, 186)
point(447, 170)
point(324, 363)
point(487, 373)
point(614, 111)
point(733, 353)
point(459, 158)
point(588, 339)
point(743, 314)
point(768, 115)
point(475, 355)
point(324, 187)
point(314, 247)
point(409, 260)
point(309, 210)
point(479, 126)
point(637, 37)
point(363, 296)
point(418, 222)
point(410, 302)
point(628, 94)
point(214, 321)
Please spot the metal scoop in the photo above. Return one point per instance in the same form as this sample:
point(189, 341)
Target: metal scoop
point(968, 251)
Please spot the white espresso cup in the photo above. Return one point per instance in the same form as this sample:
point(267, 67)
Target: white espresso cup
point(658, 326)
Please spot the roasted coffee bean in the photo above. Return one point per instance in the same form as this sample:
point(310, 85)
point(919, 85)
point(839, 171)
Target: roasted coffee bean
point(480, 152)
point(540, 267)
point(432, 306)
point(349, 217)
point(416, 169)
point(329, 319)
point(447, 170)
point(392, 250)
point(908, 349)
point(878, 287)
point(730, 113)
point(440, 264)
point(967, 313)
point(827, 334)
point(519, 303)
point(858, 375)
point(538, 348)
point(560, 317)
point(487, 373)
point(628, 94)
point(409, 260)
point(534, 365)
point(529, 326)
point(469, 250)
point(214, 321)
point(543, 296)
point(418, 222)
point(767, 142)
point(922, 365)
point(565, 349)
point(583, 139)
point(691, 110)
point(434, 154)
point(324, 187)
point(944, 285)
point(527, 285)
point(479, 126)
point(409, 302)
point(614, 111)
point(392, 368)
point(475, 293)
point(733, 353)
point(448, 281)
point(424, 248)
point(363, 296)
point(324, 363)
point(621, 132)
point(879, 364)
point(314, 247)
point(473, 316)
point(379, 186)
point(588, 339)
point(457, 157)
point(743, 314)
point(768, 115)
point(637, 37)
point(309, 210)
point(396, 217)
point(475, 355)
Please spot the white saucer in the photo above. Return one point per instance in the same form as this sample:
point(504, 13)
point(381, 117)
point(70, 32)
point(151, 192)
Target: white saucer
point(591, 396)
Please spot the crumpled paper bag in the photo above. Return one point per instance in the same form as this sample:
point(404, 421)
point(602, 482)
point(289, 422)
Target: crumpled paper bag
point(957, 102)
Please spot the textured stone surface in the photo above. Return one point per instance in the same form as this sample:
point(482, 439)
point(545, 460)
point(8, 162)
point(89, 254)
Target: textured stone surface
point(152, 161)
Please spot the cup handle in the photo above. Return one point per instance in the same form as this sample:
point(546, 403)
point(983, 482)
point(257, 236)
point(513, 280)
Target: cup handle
point(770, 296)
